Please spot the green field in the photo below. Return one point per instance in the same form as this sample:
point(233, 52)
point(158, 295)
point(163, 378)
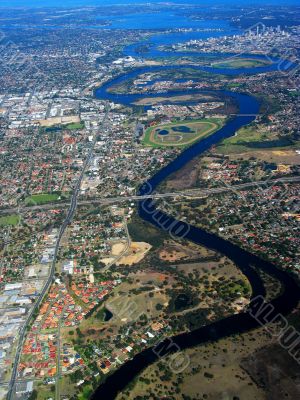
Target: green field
point(180, 134)
point(142, 231)
point(75, 125)
point(251, 138)
point(12, 220)
point(240, 141)
point(43, 198)
point(241, 63)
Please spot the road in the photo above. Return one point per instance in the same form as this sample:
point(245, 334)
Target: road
point(184, 193)
point(58, 373)
point(67, 221)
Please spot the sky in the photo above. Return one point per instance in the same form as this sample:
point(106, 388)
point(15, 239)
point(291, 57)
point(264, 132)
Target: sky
point(74, 3)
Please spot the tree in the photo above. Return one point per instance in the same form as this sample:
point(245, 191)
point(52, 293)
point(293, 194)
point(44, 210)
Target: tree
point(33, 395)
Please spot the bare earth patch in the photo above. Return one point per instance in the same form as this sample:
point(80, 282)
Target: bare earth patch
point(135, 254)
point(59, 120)
point(277, 156)
point(118, 248)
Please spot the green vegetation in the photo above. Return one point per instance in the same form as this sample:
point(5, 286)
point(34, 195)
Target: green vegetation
point(240, 142)
point(126, 87)
point(252, 138)
point(75, 125)
point(295, 93)
point(12, 220)
point(57, 128)
point(42, 392)
point(189, 73)
point(246, 135)
point(141, 231)
point(43, 198)
point(181, 98)
point(34, 395)
point(233, 289)
point(86, 393)
point(234, 85)
point(242, 63)
point(181, 133)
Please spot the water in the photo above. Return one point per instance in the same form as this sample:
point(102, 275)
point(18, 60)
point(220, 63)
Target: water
point(163, 132)
point(234, 324)
point(182, 129)
point(107, 315)
point(208, 28)
point(102, 92)
point(245, 261)
point(288, 299)
point(81, 3)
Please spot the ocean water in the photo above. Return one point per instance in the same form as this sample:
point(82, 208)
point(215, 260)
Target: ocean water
point(79, 3)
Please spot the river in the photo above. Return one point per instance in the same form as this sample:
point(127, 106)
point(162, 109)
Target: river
point(248, 263)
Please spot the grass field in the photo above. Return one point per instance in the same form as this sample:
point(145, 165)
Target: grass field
point(240, 142)
point(9, 220)
point(42, 198)
point(180, 134)
point(142, 231)
point(149, 101)
point(241, 63)
point(75, 125)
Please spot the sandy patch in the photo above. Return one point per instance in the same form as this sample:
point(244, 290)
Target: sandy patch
point(107, 260)
point(118, 248)
point(59, 120)
point(172, 255)
point(277, 156)
point(151, 62)
point(135, 254)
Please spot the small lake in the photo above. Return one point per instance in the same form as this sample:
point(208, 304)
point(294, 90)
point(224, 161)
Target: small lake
point(107, 315)
point(182, 129)
point(163, 132)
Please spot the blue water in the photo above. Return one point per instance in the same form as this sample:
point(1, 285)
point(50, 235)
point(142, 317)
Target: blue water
point(163, 132)
point(247, 105)
point(79, 3)
point(284, 303)
point(182, 129)
point(103, 93)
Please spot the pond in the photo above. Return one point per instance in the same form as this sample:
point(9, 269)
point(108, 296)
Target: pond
point(107, 315)
point(163, 132)
point(182, 129)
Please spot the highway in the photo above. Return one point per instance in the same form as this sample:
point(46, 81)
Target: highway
point(121, 199)
point(70, 214)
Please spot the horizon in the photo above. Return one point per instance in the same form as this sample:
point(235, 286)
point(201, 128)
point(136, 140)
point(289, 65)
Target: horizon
point(95, 3)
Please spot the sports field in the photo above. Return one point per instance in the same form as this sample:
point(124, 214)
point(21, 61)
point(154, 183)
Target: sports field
point(11, 220)
point(42, 198)
point(182, 133)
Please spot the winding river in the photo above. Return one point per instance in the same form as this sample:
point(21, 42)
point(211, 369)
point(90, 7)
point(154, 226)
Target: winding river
point(248, 263)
